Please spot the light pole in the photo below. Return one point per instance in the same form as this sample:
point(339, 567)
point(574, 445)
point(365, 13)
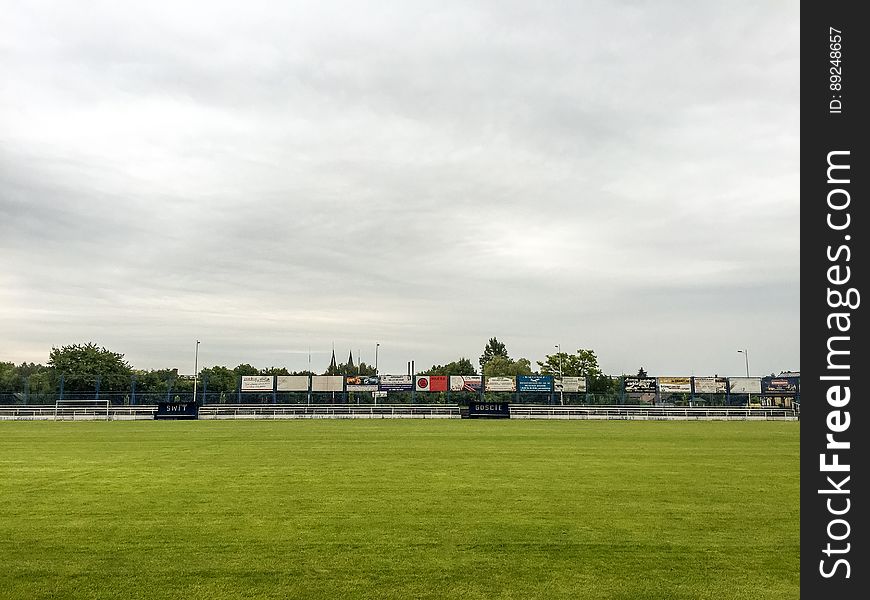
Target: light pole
point(562, 388)
point(745, 353)
point(377, 345)
point(195, 368)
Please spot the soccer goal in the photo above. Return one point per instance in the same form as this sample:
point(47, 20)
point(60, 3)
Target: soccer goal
point(90, 410)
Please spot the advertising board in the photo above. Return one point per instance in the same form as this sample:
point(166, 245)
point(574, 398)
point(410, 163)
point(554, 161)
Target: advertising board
point(292, 383)
point(501, 384)
point(640, 385)
point(570, 385)
point(711, 385)
point(431, 383)
point(675, 384)
point(327, 383)
point(786, 386)
point(535, 383)
point(396, 383)
point(257, 383)
point(744, 385)
point(361, 383)
point(465, 383)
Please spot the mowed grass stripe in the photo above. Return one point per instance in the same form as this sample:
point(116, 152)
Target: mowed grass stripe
point(399, 509)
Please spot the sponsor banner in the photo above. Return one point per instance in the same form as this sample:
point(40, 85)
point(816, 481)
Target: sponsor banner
point(396, 383)
point(570, 385)
point(362, 383)
point(292, 383)
point(711, 385)
point(780, 385)
point(535, 383)
point(489, 410)
point(177, 410)
point(675, 384)
point(465, 383)
point(744, 385)
point(501, 384)
point(327, 383)
point(431, 383)
point(257, 383)
point(640, 385)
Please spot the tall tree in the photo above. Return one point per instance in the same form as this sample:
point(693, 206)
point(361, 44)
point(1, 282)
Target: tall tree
point(500, 366)
point(583, 363)
point(246, 369)
point(82, 365)
point(218, 379)
point(493, 348)
point(462, 366)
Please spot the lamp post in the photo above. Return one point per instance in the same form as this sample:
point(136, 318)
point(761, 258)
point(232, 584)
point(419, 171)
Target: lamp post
point(745, 353)
point(561, 389)
point(377, 345)
point(195, 368)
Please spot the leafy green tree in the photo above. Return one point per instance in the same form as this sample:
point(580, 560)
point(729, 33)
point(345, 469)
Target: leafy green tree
point(274, 371)
point(218, 379)
point(246, 370)
point(9, 379)
point(81, 365)
point(583, 363)
point(501, 366)
point(462, 366)
point(493, 348)
point(153, 381)
point(604, 384)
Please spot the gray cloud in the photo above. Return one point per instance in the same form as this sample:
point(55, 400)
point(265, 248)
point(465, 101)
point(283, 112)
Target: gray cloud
point(621, 176)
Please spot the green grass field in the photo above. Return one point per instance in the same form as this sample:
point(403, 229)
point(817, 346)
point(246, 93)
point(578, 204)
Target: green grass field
point(399, 509)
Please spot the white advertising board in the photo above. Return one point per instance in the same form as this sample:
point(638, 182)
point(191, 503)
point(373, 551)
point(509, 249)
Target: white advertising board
point(292, 383)
point(571, 385)
point(711, 385)
point(744, 385)
point(257, 383)
point(501, 384)
point(327, 383)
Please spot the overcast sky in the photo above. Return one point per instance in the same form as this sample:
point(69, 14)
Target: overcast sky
point(272, 177)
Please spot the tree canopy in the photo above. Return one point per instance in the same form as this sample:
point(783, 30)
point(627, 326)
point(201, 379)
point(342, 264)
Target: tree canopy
point(501, 366)
point(493, 348)
point(583, 363)
point(81, 366)
point(462, 366)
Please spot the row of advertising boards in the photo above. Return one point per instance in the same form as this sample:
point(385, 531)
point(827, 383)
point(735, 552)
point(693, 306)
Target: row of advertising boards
point(713, 385)
point(521, 383)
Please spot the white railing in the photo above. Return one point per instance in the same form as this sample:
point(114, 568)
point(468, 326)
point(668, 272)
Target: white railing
point(401, 411)
point(76, 413)
point(653, 413)
point(328, 411)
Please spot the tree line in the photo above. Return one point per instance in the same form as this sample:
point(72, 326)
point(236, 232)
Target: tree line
point(83, 367)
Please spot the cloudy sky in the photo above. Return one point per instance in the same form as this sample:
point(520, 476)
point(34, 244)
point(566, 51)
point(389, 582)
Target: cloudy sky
point(271, 178)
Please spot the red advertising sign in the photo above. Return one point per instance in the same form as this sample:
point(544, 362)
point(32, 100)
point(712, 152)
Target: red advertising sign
point(431, 383)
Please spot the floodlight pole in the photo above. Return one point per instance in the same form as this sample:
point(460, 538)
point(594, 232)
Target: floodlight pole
point(377, 345)
point(745, 353)
point(195, 368)
point(562, 389)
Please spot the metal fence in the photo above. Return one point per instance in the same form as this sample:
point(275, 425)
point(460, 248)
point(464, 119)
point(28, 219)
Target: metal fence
point(82, 411)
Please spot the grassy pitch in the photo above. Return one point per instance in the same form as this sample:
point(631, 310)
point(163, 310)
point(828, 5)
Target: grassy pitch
point(399, 509)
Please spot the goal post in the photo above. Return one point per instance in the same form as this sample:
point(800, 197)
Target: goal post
point(76, 409)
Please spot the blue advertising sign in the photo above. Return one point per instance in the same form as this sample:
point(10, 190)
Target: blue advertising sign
point(396, 383)
point(535, 383)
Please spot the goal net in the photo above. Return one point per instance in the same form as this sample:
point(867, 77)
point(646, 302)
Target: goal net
point(76, 409)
